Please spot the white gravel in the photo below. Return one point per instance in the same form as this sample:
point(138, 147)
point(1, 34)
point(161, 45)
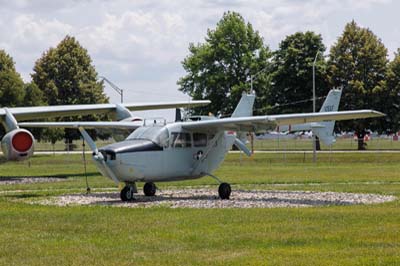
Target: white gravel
point(207, 198)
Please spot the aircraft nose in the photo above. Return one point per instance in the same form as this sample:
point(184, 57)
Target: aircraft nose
point(128, 146)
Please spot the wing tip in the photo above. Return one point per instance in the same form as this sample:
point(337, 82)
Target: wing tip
point(377, 113)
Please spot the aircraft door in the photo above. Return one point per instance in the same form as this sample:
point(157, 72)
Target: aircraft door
point(178, 157)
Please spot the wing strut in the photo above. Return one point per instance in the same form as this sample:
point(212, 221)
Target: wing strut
point(238, 143)
point(98, 157)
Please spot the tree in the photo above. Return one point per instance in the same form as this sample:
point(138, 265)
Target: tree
point(392, 100)
point(357, 63)
point(33, 95)
point(292, 88)
point(66, 75)
point(11, 84)
point(220, 68)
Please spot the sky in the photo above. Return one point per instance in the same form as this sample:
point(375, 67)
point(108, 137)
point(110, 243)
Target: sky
point(139, 45)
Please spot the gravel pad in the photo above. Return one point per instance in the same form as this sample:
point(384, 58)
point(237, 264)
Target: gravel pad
point(207, 198)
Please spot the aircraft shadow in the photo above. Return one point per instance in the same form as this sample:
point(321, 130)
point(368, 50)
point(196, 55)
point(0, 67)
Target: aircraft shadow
point(61, 176)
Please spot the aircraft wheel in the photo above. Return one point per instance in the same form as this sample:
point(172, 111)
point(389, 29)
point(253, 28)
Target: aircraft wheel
point(127, 193)
point(224, 190)
point(149, 189)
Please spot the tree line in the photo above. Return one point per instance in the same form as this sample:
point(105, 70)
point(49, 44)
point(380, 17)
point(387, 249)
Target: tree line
point(235, 57)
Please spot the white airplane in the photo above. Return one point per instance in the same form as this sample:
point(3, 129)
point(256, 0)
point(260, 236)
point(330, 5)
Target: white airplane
point(190, 149)
point(324, 130)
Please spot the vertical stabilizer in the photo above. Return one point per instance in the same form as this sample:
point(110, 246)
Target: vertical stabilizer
point(332, 101)
point(245, 105)
point(243, 109)
point(324, 130)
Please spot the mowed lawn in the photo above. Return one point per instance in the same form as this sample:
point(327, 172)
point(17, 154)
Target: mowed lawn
point(100, 235)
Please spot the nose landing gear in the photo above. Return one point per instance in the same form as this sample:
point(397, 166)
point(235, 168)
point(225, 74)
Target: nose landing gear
point(128, 191)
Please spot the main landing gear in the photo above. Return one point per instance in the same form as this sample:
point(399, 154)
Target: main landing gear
point(149, 189)
point(224, 189)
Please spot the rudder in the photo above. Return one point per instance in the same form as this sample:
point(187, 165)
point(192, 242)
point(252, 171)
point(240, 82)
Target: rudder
point(324, 130)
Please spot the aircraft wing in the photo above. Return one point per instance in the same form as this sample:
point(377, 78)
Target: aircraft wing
point(83, 124)
point(258, 123)
point(38, 112)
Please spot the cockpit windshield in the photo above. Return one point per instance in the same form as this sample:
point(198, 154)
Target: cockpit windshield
point(158, 135)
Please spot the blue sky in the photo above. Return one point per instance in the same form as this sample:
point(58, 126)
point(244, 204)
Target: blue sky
point(139, 45)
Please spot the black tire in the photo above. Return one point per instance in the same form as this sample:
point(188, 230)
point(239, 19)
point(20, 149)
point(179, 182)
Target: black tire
point(224, 190)
point(149, 189)
point(126, 194)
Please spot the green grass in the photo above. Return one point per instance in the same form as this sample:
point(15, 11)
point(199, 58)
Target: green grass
point(100, 235)
point(340, 144)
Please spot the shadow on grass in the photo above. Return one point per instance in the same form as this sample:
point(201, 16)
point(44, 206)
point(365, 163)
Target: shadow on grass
point(60, 176)
point(22, 196)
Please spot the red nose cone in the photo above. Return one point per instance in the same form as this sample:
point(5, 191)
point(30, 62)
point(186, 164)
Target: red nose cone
point(22, 141)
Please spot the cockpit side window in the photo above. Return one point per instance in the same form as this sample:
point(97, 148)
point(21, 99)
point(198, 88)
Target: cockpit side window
point(181, 140)
point(199, 139)
point(163, 138)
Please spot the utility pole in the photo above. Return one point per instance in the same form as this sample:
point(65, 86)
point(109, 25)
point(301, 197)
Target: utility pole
point(251, 91)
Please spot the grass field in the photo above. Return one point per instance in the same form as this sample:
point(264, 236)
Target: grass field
point(100, 235)
point(375, 143)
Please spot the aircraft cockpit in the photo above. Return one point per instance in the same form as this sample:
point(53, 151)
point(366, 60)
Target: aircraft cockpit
point(157, 135)
point(150, 138)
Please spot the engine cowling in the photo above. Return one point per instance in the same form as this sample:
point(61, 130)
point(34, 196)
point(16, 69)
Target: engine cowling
point(18, 145)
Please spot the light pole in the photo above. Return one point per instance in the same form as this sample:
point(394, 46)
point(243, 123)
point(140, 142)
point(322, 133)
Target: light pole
point(254, 76)
point(115, 87)
point(313, 85)
point(251, 91)
point(313, 77)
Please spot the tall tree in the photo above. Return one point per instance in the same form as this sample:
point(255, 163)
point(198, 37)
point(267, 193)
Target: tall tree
point(392, 100)
point(292, 88)
point(11, 84)
point(66, 75)
point(358, 62)
point(220, 68)
point(33, 95)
